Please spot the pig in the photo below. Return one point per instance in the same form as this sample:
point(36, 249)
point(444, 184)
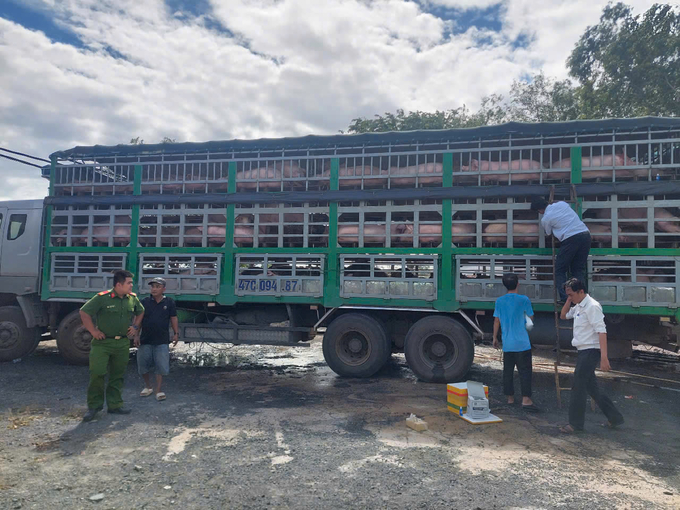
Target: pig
point(77, 238)
point(269, 176)
point(606, 161)
point(664, 220)
point(600, 233)
point(243, 234)
point(373, 176)
point(460, 233)
point(216, 235)
point(424, 172)
point(654, 275)
point(523, 233)
point(101, 233)
point(431, 234)
point(373, 234)
point(505, 166)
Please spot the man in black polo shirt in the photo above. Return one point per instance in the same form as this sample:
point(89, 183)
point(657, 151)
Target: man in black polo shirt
point(153, 343)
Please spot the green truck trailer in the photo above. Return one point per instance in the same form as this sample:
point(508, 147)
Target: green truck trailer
point(390, 241)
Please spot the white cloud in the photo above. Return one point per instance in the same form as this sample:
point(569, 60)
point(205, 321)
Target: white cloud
point(294, 67)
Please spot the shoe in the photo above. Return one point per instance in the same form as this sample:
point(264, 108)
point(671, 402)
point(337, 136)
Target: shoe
point(119, 410)
point(90, 414)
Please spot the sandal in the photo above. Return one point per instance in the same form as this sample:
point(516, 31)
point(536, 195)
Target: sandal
point(160, 396)
point(567, 429)
point(146, 392)
point(533, 408)
point(609, 425)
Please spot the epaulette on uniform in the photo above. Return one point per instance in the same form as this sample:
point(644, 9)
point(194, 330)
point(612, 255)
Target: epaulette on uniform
point(103, 293)
point(133, 294)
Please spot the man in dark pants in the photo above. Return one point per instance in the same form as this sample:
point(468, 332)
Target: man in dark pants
point(509, 313)
point(560, 220)
point(118, 313)
point(590, 339)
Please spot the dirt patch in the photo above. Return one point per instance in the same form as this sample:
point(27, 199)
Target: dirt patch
point(258, 427)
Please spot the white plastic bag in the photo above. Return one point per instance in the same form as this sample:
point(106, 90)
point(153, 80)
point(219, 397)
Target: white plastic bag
point(528, 322)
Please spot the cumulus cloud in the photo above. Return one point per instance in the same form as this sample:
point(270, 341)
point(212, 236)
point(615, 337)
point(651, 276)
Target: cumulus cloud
point(258, 68)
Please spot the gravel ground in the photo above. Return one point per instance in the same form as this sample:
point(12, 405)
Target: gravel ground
point(274, 427)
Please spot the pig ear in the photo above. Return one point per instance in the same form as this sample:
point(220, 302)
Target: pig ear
point(474, 164)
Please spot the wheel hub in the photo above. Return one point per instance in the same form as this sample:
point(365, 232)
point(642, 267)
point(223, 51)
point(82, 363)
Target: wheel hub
point(355, 345)
point(82, 338)
point(438, 349)
point(10, 334)
point(353, 348)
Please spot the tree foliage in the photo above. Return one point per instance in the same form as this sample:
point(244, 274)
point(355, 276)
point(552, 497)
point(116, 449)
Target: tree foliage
point(625, 66)
point(629, 65)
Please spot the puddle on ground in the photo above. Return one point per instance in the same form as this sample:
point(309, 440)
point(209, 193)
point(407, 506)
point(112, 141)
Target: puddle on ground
point(249, 357)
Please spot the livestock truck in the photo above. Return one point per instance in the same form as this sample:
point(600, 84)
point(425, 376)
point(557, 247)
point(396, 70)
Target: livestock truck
point(390, 241)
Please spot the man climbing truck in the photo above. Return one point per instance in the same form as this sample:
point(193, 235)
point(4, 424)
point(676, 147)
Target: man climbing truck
point(391, 241)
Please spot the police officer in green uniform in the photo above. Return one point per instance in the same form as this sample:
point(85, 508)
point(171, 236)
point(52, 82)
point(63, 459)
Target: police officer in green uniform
point(118, 313)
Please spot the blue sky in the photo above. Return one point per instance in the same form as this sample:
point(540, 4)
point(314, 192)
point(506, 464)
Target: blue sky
point(78, 72)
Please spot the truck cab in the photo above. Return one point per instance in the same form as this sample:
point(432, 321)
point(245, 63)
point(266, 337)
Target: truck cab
point(21, 311)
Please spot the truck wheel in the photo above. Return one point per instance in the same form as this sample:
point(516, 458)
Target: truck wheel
point(355, 345)
point(73, 340)
point(16, 340)
point(439, 349)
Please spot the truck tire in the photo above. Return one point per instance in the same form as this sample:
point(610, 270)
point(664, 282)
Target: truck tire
point(356, 345)
point(73, 340)
point(439, 349)
point(16, 340)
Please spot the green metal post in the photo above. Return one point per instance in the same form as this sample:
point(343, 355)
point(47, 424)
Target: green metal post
point(47, 236)
point(133, 252)
point(227, 295)
point(446, 296)
point(332, 281)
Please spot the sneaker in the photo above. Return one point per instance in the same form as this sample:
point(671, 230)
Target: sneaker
point(90, 414)
point(119, 410)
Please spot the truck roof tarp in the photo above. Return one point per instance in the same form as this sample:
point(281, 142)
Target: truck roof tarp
point(394, 137)
point(561, 191)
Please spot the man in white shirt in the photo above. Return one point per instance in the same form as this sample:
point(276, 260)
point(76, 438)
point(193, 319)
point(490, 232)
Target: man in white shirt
point(560, 220)
point(590, 339)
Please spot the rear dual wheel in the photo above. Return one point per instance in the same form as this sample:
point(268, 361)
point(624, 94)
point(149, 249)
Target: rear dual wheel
point(73, 340)
point(356, 345)
point(439, 349)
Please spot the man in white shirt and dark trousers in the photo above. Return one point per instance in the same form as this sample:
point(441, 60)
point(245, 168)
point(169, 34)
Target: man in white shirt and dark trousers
point(560, 220)
point(590, 339)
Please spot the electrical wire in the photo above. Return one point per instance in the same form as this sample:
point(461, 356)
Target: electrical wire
point(20, 161)
point(24, 155)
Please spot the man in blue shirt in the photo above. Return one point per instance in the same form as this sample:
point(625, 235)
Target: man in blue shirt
point(509, 318)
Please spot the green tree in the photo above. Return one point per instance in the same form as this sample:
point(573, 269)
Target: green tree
point(629, 65)
point(491, 112)
point(542, 99)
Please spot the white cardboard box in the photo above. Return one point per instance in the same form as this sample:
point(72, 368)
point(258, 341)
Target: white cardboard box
point(478, 404)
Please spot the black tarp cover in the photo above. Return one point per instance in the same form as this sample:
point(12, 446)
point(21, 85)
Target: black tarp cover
point(395, 137)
